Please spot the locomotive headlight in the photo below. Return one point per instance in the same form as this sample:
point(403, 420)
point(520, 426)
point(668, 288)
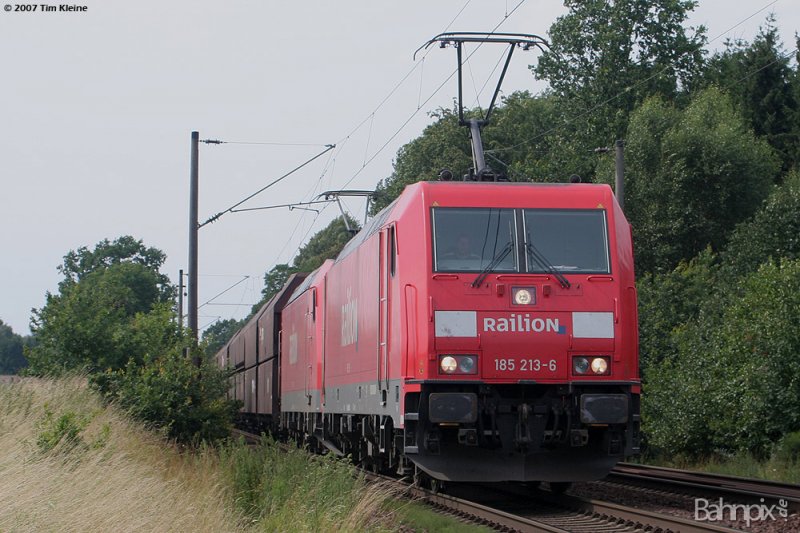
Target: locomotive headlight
point(599, 365)
point(466, 365)
point(580, 365)
point(448, 364)
point(458, 364)
point(523, 295)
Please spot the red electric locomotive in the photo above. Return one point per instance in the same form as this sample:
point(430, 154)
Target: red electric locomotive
point(472, 331)
point(481, 331)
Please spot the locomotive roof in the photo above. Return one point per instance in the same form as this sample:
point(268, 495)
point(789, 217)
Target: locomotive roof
point(454, 191)
point(508, 193)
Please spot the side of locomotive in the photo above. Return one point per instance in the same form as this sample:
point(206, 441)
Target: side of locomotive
point(477, 331)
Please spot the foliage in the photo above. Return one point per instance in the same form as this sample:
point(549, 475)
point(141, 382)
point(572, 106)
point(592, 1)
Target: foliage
point(788, 449)
point(668, 301)
point(735, 366)
point(608, 57)
point(325, 244)
point(759, 78)
point(773, 232)
point(216, 335)
point(65, 432)
point(11, 356)
point(186, 402)
point(275, 279)
point(112, 305)
point(81, 262)
point(683, 315)
point(691, 176)
point(113, 318)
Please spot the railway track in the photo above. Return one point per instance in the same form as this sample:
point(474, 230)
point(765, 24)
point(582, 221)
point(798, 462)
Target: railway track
point(703, 482)
point(506, 509)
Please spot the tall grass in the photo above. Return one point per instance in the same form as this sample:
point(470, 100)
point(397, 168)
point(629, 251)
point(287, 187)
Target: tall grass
point(282, 489)
point(68, 463)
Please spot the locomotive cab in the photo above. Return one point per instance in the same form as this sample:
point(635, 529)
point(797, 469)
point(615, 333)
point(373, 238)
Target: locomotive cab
point(530, 369)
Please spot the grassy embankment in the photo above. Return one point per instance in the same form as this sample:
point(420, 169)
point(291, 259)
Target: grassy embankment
point(69, 463)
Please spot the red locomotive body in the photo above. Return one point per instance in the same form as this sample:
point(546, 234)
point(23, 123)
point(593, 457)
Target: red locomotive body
point(480, 331)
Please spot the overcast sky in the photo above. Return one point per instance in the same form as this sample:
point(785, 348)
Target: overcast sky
point(97, 107)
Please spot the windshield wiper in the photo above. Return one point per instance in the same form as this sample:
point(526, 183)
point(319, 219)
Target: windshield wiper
point(544, 264)
point(491, 266)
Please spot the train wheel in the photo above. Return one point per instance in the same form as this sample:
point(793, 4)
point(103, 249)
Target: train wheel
point(559, 487)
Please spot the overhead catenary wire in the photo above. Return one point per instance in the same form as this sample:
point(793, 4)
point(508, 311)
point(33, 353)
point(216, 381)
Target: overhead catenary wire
point(216, 217)
point(260, 143)
point(290, 206)
point(244, 278)
point(329, 165)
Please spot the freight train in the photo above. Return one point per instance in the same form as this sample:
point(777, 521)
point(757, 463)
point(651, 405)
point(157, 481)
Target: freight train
point(471, 331)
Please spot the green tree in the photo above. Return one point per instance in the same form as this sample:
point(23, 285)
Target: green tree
point(112, 305)
point(443, 144)
point(126, 249)
point(667, 302)
point(691, 176)
point(217, 334)
point(737, 363)
point(759, 78)
point(772, 233)
point(186, 402)
point(275, 279)
point(325, 244)
point(11, 350)
point(607, 56)
point(523, 140)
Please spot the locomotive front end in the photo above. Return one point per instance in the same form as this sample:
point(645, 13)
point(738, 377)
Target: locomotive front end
point(531, 370)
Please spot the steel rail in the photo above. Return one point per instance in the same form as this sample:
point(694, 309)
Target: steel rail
point(631, 516)
point(718, 483)
point(474, 511)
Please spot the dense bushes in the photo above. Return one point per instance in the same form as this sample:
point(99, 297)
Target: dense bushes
point(113, 319)
point(736, 382)
point(170, 393)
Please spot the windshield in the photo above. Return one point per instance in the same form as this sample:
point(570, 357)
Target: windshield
point(571, 240)
point(471, 239)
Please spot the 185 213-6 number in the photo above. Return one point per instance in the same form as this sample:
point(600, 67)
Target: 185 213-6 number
point(524, 365)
